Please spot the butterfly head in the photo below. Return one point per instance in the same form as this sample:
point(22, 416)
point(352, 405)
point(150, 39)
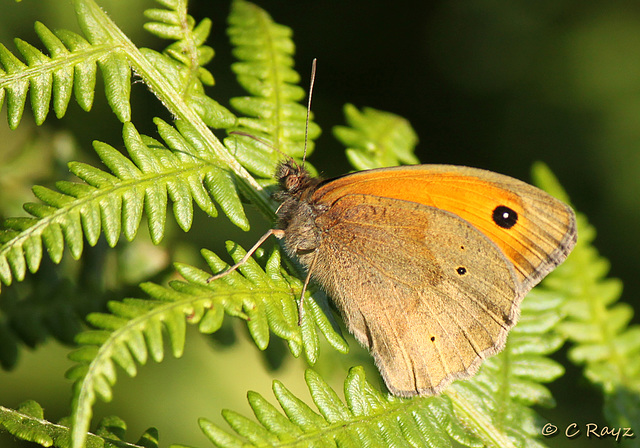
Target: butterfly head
point(294, 179)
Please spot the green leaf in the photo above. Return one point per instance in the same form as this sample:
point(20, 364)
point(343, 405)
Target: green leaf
point(115, 203)
point(376, 139)
point(273, 117)
point(27, 423)
point(132, 332)
point(597, 324)
point(365, 418)
point(72, 62)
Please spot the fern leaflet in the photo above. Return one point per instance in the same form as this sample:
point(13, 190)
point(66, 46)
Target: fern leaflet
point(70, 68)
point(598, 326)
point(375, 139)
point(366, 418)
point(27, 423)
point(132, 332)
point(265, 70)
point(113, 203)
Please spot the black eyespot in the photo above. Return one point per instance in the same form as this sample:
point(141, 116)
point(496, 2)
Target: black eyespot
point(433, 338)
point(505, 217)
point(461, 270)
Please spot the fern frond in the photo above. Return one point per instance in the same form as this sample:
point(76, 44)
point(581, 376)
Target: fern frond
point(132, 332)
point(175, 85)
point(376, 139)
point(598, 325)
point(113, 203)
point(101, 30)
point(265, 70)
point(28, 423)
point(269, 300)
point(366, 418)
point(71, 67)
point(73, 60)
point(183, 61)
point(173, 23)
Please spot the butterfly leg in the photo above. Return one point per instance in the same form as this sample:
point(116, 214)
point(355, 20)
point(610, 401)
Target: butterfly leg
point(278, 233)
point(304, 287)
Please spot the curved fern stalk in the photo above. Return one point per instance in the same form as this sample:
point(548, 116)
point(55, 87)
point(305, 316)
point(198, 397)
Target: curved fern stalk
point(73, 63)
point(100, 30)
point(132, 333)
point(183, 61)
point(365, 419)
point(28, 423)
point(70, 68)
point(265, 70)
point(598, 325)
point(113, 203)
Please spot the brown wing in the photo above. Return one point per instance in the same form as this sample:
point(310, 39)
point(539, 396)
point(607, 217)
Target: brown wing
point(427, 293)
point(540, 238)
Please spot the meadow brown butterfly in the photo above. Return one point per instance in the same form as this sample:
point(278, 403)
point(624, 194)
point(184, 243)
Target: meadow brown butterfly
point(427, 264)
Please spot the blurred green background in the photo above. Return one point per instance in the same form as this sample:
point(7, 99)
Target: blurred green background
point(496, 85)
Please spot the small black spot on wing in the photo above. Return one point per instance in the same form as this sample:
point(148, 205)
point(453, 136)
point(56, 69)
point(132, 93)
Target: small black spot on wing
point(504, 216)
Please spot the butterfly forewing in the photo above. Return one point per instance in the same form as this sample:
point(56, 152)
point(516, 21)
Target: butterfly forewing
point(532, 229)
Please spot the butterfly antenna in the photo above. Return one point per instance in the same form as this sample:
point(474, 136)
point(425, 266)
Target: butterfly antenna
point(306, 124)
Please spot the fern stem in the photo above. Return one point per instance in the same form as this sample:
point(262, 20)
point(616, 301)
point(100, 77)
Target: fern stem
point(26, 424)
point(477, 422)
point(503, 390)
point(191, 49)
point(86, 387)
point(92, 17)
